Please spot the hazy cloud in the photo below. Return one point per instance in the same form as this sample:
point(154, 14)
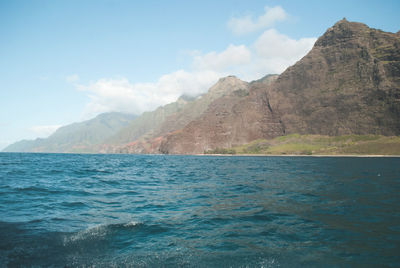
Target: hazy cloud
point(4, 144)
point(271, 53)
point(231, 56)
point(72, 78)
point(275, 51)
point(272, 44)
point(44, 131)
point(121, 95)
point(248, 24)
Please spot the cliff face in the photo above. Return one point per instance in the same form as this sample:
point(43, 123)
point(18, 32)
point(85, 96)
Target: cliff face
point(236, 118)
point(349, 83)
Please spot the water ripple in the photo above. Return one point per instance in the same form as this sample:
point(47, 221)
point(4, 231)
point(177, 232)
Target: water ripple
point(192, 211)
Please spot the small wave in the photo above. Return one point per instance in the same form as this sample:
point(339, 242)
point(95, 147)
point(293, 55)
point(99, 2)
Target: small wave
point(35, 221)
point(132, 224)
point(99, 232)
point(73, 204)
point(35, 189)
point(91, 171)
point(59, 219)
point(110, 182)
point(121, 193)
point(104, 232)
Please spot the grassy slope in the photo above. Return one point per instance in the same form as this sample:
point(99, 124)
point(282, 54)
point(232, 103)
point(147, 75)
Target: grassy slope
point(320, 145)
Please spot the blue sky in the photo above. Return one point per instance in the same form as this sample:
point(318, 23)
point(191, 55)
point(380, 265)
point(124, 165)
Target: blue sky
point(66, 61)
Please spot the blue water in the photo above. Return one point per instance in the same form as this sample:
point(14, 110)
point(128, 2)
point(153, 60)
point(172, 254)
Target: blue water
point(198, 211)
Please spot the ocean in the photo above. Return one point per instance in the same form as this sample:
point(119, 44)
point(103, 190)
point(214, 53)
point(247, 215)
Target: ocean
point(74, 210)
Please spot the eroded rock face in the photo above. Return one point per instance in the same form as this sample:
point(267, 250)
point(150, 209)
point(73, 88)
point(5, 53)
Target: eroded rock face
point(234, 119)
point(349, 83)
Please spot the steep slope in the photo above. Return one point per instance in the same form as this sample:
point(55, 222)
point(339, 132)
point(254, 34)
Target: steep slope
point(236, 118)
point(193, 110)
point(76, 137)
point(349, 83)
point(147, 123)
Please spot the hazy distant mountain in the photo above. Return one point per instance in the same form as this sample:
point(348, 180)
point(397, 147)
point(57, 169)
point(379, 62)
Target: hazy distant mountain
point(76, 137)
point(349, 83)
point(147, 123)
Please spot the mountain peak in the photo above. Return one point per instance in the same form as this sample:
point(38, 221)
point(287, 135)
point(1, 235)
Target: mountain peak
point(228, 84)
point(342, 31)
point(229, 78)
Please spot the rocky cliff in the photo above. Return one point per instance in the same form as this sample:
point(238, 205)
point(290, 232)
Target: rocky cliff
point(349, 83)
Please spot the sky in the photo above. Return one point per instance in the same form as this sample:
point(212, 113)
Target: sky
point(68, 61)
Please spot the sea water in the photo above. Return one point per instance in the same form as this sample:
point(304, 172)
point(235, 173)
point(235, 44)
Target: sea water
point(72, 210)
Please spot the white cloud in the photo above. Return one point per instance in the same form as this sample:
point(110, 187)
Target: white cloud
point(44, 131)
point(272, 44)
point(232, 56)
point(121, 95)
point(247, 24)
point(275, 51)
point(271, 53)
point(72, 78)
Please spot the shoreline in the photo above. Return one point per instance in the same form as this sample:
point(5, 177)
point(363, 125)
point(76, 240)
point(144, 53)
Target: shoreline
point(304, 155)
point(228, 155)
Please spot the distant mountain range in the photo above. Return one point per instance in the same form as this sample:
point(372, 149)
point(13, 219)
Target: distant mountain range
point(77, 137)
point(349, 83)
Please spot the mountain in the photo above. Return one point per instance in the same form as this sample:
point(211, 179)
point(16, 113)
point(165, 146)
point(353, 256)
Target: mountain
point(77, 137)
point(349, 83)
point(145, 133)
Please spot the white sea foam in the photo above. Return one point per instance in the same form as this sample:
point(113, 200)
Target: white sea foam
point(94, 232)
point(131, 224)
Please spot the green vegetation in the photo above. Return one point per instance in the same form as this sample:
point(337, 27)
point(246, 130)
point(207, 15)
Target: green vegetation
point(296, 144)
point(220, 151)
